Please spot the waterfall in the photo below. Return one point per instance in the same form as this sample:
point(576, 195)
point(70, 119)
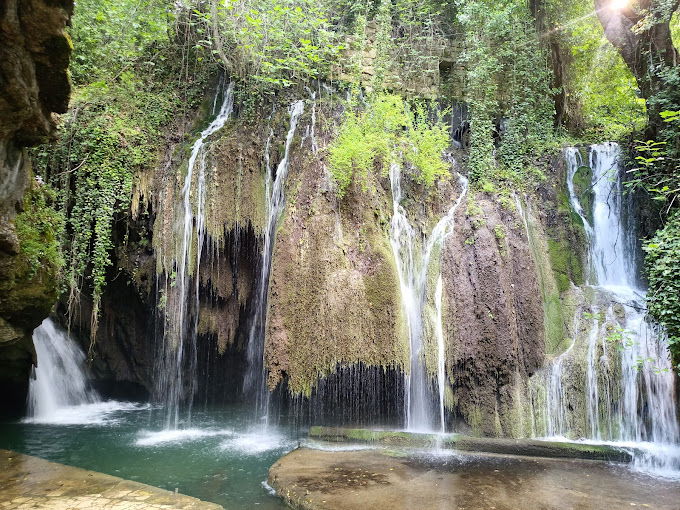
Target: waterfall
point(59, 380)
point(176, 368)
point(413, 265)
point(441, 351)
point(255, 379)
point(629, 381)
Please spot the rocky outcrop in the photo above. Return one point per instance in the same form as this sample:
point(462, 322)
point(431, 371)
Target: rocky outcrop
point(493, 317)
point(336, 335)
point(523, 447)
point(34, 84)
point(334, 294)
point(309, 479)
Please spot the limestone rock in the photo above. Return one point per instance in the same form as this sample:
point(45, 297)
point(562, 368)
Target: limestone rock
point(34, 83)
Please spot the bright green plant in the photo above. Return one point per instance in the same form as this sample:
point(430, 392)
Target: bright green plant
point(658, 172)
point(663, 267)
point(387, 131)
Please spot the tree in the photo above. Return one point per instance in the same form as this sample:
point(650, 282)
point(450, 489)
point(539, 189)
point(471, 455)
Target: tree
point(641, 32)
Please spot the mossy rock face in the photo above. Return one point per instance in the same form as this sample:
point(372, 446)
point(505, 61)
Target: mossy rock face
point(29, 286)
point(594, 319)
point(34, 57)
point(493, 317)
point(583, 187)
point(566, 264)
point(334, 296)
point(525, 447)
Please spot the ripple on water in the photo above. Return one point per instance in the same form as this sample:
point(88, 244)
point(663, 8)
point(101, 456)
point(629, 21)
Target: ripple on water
point(161, 437)
point(256, 442)
point(97, 413)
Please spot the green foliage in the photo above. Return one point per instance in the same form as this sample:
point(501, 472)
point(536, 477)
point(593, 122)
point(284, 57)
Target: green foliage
point(115, 128)
point(270, 44)
point(507, 77)
point(114, 135)
point(388, 131)
point(604, 87)
point(658, 170)
point(39, 228)
point(110, 36)
point(602, 95)
point(663, 267)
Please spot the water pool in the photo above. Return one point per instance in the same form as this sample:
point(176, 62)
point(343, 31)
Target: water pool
point(218, 457)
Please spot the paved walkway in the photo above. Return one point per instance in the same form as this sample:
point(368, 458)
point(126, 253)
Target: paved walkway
point(31, 483)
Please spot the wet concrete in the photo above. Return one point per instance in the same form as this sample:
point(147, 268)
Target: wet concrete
point(28, 482)
point(347, 480)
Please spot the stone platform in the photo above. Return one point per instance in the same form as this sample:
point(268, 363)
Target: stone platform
point(459, 442)
point(28, 482)
point(356, 480)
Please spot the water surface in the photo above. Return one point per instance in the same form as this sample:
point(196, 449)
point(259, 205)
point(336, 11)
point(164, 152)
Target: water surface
point(218, 457)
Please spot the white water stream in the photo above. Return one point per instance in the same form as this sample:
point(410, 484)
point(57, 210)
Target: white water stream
point(255, 379)
point(59, 392)
point(59, 380)
point(413, 265)
point(176, 367)
point(632, 405)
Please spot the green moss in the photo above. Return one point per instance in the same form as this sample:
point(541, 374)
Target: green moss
point(583, 187)
point(500, 235)
point(382, 290)
point(567, 266)
point(335, 295)
point(386, 437)
point(31, 279)
point(551, 449)
point(554, 324)
point(475, 212)
point(474, 419)
point(662, 262)
point(552, 316)
point(39, 227)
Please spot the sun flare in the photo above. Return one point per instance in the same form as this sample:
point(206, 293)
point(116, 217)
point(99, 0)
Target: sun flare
point(618, 5)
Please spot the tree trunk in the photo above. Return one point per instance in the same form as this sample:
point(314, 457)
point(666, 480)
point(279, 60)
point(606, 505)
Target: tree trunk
point(641, 33)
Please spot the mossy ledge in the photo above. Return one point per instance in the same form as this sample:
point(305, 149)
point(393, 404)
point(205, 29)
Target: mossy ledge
point(522, 447)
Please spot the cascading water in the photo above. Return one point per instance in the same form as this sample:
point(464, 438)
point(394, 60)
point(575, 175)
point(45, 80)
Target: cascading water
point(633, 403)
point(59, 380)
point(413, 265)
point(441, 351)
point(255, 379)
point(176, 368)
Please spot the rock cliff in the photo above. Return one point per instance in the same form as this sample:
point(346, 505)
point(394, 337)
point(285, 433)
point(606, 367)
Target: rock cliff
point(34, 84)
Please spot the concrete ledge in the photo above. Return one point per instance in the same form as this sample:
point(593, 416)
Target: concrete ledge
point(28, 482)
point(524, 447)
